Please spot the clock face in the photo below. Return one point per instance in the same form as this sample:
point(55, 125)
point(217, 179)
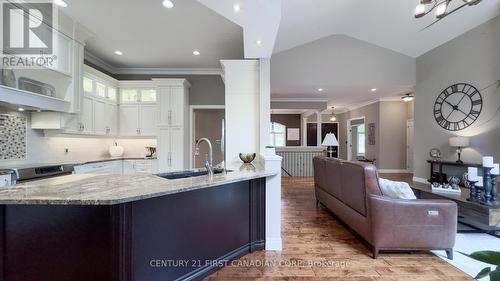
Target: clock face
point(458, 106)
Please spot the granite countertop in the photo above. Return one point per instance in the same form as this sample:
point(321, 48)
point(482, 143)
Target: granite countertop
point(89, 189)
point(76, 163)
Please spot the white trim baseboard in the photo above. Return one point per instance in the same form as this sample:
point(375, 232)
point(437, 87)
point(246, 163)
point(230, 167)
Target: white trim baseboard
point(274, 244)
point(392, 171)
point(421, 180)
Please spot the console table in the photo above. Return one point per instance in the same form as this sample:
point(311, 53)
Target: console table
point(485, 218)
point(442, 164)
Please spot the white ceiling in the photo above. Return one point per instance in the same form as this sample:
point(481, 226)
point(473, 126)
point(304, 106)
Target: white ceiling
point(388, 23)
point(151, 36)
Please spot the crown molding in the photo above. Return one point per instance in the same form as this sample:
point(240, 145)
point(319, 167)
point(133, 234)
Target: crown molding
point(149, 70)
point(298, 100)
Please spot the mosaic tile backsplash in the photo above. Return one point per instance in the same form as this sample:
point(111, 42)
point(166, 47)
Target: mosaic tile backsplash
point(12, 137)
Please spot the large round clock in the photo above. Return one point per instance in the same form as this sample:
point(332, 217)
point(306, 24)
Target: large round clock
point(458, 106)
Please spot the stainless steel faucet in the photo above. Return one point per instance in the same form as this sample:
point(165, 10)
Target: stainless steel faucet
point(209, 164)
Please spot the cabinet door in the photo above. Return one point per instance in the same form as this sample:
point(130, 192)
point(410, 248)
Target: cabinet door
point(87, 116)
point(163, 97)
point(176, 149)
point(72, 124)
point(129, 120)
point(148, 120)
point(111, 119)
point(100, 122)
point(177, 106)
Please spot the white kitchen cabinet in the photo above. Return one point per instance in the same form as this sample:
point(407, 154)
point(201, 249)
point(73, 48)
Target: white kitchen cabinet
point(173, 104)
point(87, 115)
point(129, 120)
point(100, 123)
point(171, 145)
point(111, 117)
point(145, 166)
point(138, 120)
point(5, 180)
point(101, 168)
point(148, 120)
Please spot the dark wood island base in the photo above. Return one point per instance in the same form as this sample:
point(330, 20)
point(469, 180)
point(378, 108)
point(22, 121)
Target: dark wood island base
point(181, 236)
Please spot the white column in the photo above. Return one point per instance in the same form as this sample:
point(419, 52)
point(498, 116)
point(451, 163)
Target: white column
point(273, 204)
point(242, 109)
point(304, 131)
point(265, 103)
point(318, 131)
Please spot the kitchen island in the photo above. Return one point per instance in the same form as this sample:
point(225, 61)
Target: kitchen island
point(130, 228)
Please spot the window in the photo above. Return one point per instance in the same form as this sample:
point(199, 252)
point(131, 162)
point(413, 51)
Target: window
point(129, 95)
point(361, 140)
point(148, 95)
point(112, 93)
point(100, 90)
point(88, 85)
point(278, 134)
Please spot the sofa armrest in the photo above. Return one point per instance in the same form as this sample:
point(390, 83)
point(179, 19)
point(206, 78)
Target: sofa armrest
point(405, 224)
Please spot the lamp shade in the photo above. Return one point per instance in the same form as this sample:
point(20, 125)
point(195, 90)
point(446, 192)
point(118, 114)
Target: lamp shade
point(330, 140)
point(459, 141)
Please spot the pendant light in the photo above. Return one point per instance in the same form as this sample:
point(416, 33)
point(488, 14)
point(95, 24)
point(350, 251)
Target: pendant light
point(333, 118)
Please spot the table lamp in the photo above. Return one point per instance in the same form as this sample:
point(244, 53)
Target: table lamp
point(330, 141)
point(459, 143)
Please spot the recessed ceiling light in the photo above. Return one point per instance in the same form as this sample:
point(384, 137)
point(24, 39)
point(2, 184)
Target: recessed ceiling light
point(196, 53)
point(20, 109)
point(259, 42)
point(373, 90)
point(168, 4)
point(320, 90)
point(61, 3)
point(236, 7)
point(118, 53)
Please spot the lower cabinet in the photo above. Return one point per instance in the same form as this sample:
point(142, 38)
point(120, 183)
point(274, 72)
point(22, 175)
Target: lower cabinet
point(171, 149)
point(119, 167)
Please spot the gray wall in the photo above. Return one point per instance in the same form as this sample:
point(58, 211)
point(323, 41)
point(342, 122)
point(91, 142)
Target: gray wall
point(392, 132)
point(290, 121)
point(371, 114)
point(474, 58)
point(205, 89)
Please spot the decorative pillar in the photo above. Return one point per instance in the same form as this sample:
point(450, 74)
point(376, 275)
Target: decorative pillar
point(304, 131)
point(318, 131)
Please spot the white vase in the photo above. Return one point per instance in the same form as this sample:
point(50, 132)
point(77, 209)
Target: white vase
point(116, 151)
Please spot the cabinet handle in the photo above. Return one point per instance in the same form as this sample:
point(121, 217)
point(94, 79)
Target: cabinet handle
point(138, 131)
point(170, 159)
point(170, 117)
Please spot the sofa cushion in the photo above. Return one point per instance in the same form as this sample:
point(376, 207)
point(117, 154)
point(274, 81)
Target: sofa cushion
point(353, 186)
point(396, 189)
point(333, 177)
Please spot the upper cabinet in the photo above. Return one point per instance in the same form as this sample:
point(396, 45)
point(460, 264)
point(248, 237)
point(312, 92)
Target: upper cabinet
point(138, 110)
point(173, 100)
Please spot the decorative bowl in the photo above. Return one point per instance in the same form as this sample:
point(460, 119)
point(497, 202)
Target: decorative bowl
point(247, 157)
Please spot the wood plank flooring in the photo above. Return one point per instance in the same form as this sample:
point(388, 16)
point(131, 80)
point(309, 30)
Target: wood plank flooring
point(318, 247)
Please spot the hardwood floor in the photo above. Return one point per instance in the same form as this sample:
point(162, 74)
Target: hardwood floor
point(318, 247)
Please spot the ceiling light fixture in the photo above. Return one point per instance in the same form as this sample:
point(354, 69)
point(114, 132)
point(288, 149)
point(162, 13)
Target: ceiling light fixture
point(61, 3)
point(259, 42)
point(196, 53)
point(320, 90)
point(333, 118)
point(236, 7)
point(373, 90)
point(118, 53)
point(168, 4)
point(408, 97)
point(441, 7)
point(20, 109)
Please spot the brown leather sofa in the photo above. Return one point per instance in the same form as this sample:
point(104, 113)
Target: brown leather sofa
point(351, 191)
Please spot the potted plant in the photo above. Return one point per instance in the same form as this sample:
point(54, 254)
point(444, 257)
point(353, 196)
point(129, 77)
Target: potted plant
point(489, 257)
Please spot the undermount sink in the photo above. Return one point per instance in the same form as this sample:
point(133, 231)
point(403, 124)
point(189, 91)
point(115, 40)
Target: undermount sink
point(188, 174)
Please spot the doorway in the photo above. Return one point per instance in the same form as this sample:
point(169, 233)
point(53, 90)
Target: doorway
point(356, 138)
point(409, 144)
point(330, 127)
point(206, 122)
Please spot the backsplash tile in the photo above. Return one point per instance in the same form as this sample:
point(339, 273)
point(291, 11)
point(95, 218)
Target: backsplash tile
point(12, 137)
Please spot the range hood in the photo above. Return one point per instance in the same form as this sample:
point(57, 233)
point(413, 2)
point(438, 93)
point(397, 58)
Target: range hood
point(27, 99)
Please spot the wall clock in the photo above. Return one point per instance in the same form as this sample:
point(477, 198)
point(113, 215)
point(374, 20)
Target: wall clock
point(458, 106)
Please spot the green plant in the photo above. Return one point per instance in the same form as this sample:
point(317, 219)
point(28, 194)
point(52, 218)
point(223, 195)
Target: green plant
point(489, 257)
